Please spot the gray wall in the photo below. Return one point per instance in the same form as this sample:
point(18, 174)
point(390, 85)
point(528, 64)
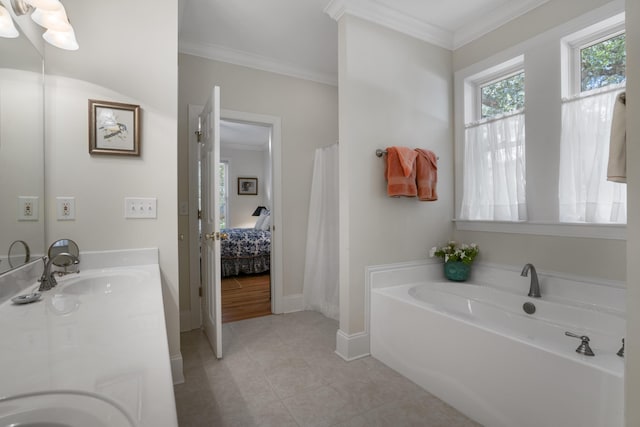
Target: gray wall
point(116, 63)
point(394, 90)
point(603, 258)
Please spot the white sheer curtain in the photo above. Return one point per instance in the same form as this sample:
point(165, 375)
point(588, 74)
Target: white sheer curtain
point(494, 170)
point(585, 195)
point(320, 286)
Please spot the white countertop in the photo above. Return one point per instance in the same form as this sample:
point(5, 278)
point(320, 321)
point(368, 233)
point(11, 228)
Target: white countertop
point(110, 340)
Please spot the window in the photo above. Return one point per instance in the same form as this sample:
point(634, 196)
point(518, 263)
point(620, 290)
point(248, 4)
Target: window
point(565, 139)
point(598, 73)
point(603, 63)
point(503, 96)
point(223, 170)
point(494, 149)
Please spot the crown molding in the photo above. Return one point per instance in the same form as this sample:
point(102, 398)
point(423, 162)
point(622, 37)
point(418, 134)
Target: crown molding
point(492, 21)
point(390, 18)
point(251, 60)
point(398, 21)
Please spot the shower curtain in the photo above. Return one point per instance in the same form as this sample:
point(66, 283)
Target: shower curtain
point(320, 286)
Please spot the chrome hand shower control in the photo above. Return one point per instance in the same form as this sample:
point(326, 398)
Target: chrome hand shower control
point(583, 348)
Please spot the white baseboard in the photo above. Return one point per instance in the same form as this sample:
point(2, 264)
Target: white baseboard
point(185, 321)
point(352, 347)
point(292, 303)
point(176, 368)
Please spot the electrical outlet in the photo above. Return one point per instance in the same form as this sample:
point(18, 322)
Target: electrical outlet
point(140, 207)
point(66, 208)
point(28, 208)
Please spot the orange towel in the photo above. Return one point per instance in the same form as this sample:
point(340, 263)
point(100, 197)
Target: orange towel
point(400, 172)
point(427, 175)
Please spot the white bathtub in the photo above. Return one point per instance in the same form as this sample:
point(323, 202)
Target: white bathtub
point(473, 346)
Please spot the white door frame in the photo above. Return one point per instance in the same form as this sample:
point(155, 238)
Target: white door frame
point(276, 212)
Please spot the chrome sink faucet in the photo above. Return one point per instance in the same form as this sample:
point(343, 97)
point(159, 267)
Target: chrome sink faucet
point(48, 279)
point(534, 288)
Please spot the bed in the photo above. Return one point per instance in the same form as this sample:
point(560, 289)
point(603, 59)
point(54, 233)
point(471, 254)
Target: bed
point(245, 251)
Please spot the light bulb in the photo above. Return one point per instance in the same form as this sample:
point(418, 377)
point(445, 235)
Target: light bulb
point(7, 28)
point(63, 39)
point(53, 20)
point(50, 5)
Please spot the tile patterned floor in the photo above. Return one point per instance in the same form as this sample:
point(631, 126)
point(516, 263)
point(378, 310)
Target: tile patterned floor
point(281, 371)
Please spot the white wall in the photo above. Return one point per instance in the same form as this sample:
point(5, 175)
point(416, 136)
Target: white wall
point(632, 355)
point(309, 114)
point(124, 56)
point(21, 158)
point(394, 90)
point(578, 255)
point(246, 164)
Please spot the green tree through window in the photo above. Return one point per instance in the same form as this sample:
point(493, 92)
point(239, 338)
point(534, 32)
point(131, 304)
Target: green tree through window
point(603, 63)
point(503, 96)
point(222, 193)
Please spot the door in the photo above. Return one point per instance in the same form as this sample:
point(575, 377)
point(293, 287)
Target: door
point(210, 222)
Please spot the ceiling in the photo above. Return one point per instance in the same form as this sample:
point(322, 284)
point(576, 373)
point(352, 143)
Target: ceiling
point(244, 136)
point(300, 37)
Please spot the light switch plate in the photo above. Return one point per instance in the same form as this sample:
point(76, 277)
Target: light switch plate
point(140, 207)
point(28, 208)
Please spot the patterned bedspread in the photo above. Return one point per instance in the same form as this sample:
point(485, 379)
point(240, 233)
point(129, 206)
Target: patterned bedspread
point(244, 242)
point(245, 251)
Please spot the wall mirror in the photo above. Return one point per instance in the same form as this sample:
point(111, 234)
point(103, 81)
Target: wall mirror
point(21, 150)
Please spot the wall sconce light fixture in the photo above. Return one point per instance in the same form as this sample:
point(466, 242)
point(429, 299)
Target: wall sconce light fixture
point(7, 28)
point(51, 15)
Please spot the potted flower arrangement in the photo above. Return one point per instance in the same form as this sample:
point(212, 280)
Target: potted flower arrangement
point(457, 259)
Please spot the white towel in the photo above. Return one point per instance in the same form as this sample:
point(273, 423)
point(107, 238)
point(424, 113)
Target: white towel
point(617, 168)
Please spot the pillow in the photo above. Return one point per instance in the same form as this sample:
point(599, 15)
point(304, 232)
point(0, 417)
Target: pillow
point(266, 224)
point(261, 219)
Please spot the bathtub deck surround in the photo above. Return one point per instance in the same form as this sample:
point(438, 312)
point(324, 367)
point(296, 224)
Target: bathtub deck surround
point(101, 332)
point(497, 343)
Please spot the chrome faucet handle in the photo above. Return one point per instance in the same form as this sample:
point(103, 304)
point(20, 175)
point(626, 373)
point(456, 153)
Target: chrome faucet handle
point(48, 279)
point(583, 348)
point(47, 283)
point(621, 351)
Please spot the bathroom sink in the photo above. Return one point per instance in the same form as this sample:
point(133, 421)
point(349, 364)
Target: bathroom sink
point(99, 284)
point(62, 409)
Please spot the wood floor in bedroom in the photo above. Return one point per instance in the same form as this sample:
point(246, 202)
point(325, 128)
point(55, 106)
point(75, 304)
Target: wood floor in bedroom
point(245, 297)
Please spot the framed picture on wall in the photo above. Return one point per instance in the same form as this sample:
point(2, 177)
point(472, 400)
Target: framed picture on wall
point(247, 186)
point(114, 128)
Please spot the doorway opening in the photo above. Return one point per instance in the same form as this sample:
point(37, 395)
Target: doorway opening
point(264, 287)
point(245, 194)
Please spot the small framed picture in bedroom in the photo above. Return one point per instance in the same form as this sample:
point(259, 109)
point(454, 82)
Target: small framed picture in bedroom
point(248, 186)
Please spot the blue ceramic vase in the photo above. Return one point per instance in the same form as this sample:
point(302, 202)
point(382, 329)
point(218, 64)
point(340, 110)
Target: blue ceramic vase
point(457, 271)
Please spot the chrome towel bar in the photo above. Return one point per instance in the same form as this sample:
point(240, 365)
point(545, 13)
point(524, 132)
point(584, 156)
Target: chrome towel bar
point(380, 152)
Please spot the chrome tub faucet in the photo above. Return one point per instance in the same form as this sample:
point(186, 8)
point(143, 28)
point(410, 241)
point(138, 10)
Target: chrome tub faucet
point(534, 288)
